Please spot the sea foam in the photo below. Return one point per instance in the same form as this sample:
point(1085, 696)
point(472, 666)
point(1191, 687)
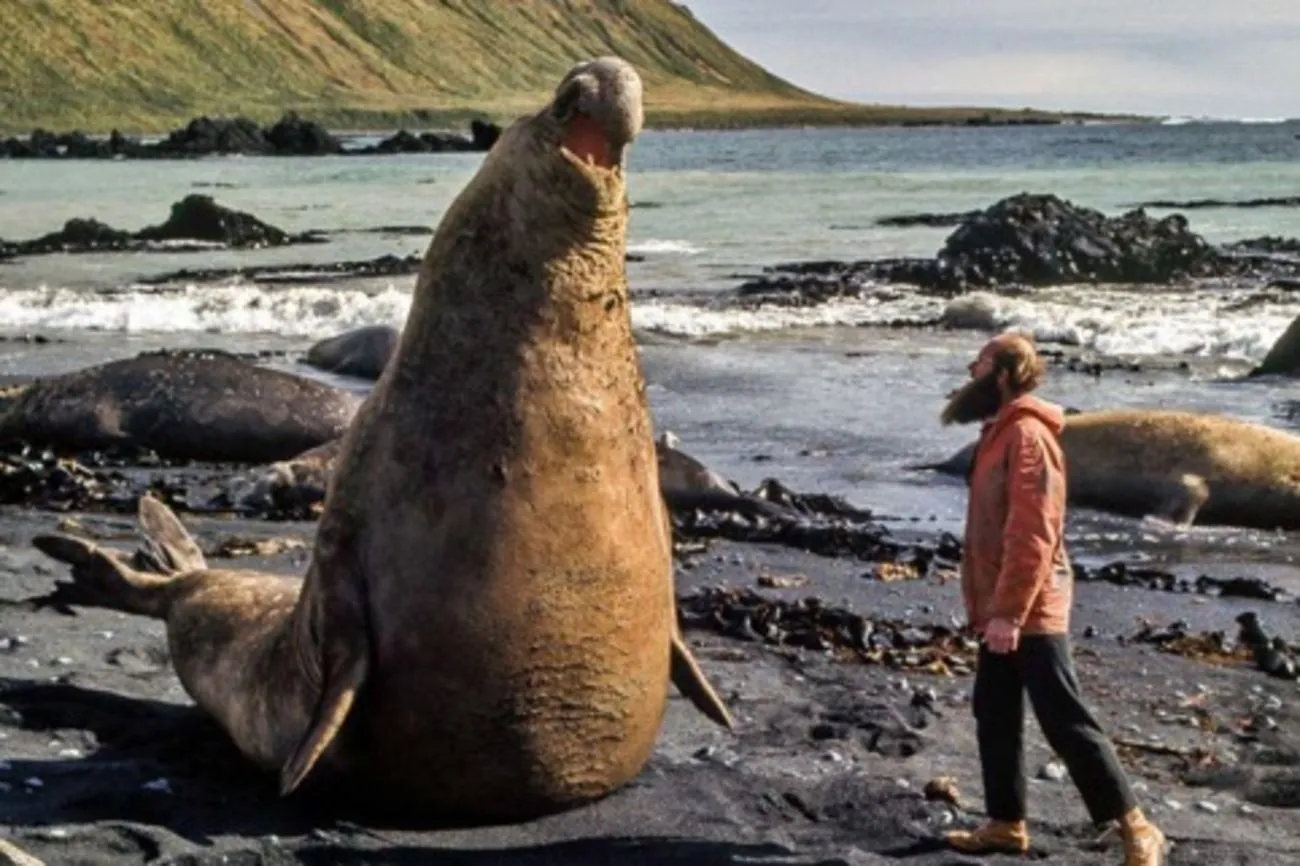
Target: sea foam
point(1235, 324)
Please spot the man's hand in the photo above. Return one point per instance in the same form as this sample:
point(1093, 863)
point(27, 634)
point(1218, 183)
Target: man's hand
point(1001, 636)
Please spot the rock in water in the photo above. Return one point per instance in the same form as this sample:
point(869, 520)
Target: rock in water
point(1043, 240)
point(199, 217)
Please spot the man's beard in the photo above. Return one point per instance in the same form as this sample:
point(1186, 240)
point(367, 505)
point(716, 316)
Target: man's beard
point(977, 400)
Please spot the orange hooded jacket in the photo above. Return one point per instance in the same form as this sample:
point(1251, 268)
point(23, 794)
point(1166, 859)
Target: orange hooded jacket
point(1014, 565)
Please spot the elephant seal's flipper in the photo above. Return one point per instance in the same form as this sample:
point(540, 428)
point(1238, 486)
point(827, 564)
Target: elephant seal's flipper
point(341, 686)
point(100, 578)
point(167, 540)
point(338, 647)
point(1187, 494)
point(690, 681)
point(103, 577)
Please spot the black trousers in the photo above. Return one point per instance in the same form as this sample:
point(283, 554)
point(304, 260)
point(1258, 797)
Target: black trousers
point(1043, 667)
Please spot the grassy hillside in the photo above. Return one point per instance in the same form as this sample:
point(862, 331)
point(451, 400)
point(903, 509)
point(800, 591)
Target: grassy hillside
point(151, 65)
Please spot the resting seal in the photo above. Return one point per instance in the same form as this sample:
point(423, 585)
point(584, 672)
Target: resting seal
point(684, 482)
point(363, 352)
point(195, 405)
point(1184, 467)
point(487, 628)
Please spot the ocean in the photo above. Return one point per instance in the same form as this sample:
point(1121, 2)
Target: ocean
point(823, 397)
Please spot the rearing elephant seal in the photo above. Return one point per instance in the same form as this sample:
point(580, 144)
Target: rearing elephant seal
point(487, 628)
point(1182, 466)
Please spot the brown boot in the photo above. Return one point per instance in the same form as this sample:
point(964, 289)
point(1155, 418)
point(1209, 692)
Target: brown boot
point(995, 837)
point(1144, 844)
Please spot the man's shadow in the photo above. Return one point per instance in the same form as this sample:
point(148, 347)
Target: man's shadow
point(170, 766)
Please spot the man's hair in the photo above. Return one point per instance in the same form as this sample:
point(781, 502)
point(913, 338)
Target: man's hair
point(1016, 354)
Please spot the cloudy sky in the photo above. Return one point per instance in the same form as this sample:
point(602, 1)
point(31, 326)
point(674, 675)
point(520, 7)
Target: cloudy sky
point(1224, 58)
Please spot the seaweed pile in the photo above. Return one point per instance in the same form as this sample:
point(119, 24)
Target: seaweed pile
point(810, 624)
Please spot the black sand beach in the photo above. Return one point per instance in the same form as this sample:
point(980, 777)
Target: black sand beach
point(107, 761)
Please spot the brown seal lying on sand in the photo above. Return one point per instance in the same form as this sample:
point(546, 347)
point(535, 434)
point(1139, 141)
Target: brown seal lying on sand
point(1184, 467)
point(684, 482)
point(487, 629)
point(196, 405)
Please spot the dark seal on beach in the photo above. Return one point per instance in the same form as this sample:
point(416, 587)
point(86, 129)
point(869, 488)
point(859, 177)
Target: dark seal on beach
point(196, 405)
point(363, 352)
point(487, 630)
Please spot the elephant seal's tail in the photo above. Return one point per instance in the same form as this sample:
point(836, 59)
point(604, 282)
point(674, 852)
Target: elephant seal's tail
point(958, 464)
point(143, 584)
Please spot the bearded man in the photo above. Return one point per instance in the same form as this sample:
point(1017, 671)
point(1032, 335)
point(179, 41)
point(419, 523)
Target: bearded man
point(1018, 589)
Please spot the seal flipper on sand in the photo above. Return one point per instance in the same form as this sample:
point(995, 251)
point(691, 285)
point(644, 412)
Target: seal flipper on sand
point(102, 577)
point(167, 542)
point(340, 639)
point(691, 682)
point(1187, 494)
point(343, 681)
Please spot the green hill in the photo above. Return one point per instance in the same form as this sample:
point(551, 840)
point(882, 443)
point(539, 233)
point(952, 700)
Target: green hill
point(151, 65)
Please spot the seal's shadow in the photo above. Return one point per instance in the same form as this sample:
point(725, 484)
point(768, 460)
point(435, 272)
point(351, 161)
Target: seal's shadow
point(156, 763)
point(212, 791)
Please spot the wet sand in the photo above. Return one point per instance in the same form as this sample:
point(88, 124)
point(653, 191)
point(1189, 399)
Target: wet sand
point(107, 761)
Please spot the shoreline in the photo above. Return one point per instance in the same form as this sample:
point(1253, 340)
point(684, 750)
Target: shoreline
point(358, 122)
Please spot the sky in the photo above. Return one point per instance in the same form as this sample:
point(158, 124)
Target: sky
point(1218, 58)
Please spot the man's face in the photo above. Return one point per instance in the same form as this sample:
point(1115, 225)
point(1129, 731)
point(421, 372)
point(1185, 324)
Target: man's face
point(980, 398)
point(982, 365)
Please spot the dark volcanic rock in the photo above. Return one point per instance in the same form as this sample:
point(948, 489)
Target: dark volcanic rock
point(1042, 240)
point(199, 217)
point(382, 266)
point(1025, 240)
point(194, 218)
point(932, 220)
point(1202, 203)
point(206, 135)
point(78, 235)
point(42, 144)
point(291, 135)
point(1266, 245)
point(434, 142)
point(305, 273)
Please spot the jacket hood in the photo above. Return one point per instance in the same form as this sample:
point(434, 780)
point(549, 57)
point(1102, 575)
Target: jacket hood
point(1051, 415)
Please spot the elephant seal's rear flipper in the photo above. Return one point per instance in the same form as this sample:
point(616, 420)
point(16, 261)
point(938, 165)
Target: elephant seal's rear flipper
point(167, 540)
point(103, 577)
point(1186, 495)
point(690, 681)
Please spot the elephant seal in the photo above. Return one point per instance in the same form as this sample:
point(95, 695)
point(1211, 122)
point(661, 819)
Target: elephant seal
point(684, 482)
point(1284, 356)
point(487, 628)
point(182, 404)
point(1184, 467)
point(363, 352)
point(679, 471)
